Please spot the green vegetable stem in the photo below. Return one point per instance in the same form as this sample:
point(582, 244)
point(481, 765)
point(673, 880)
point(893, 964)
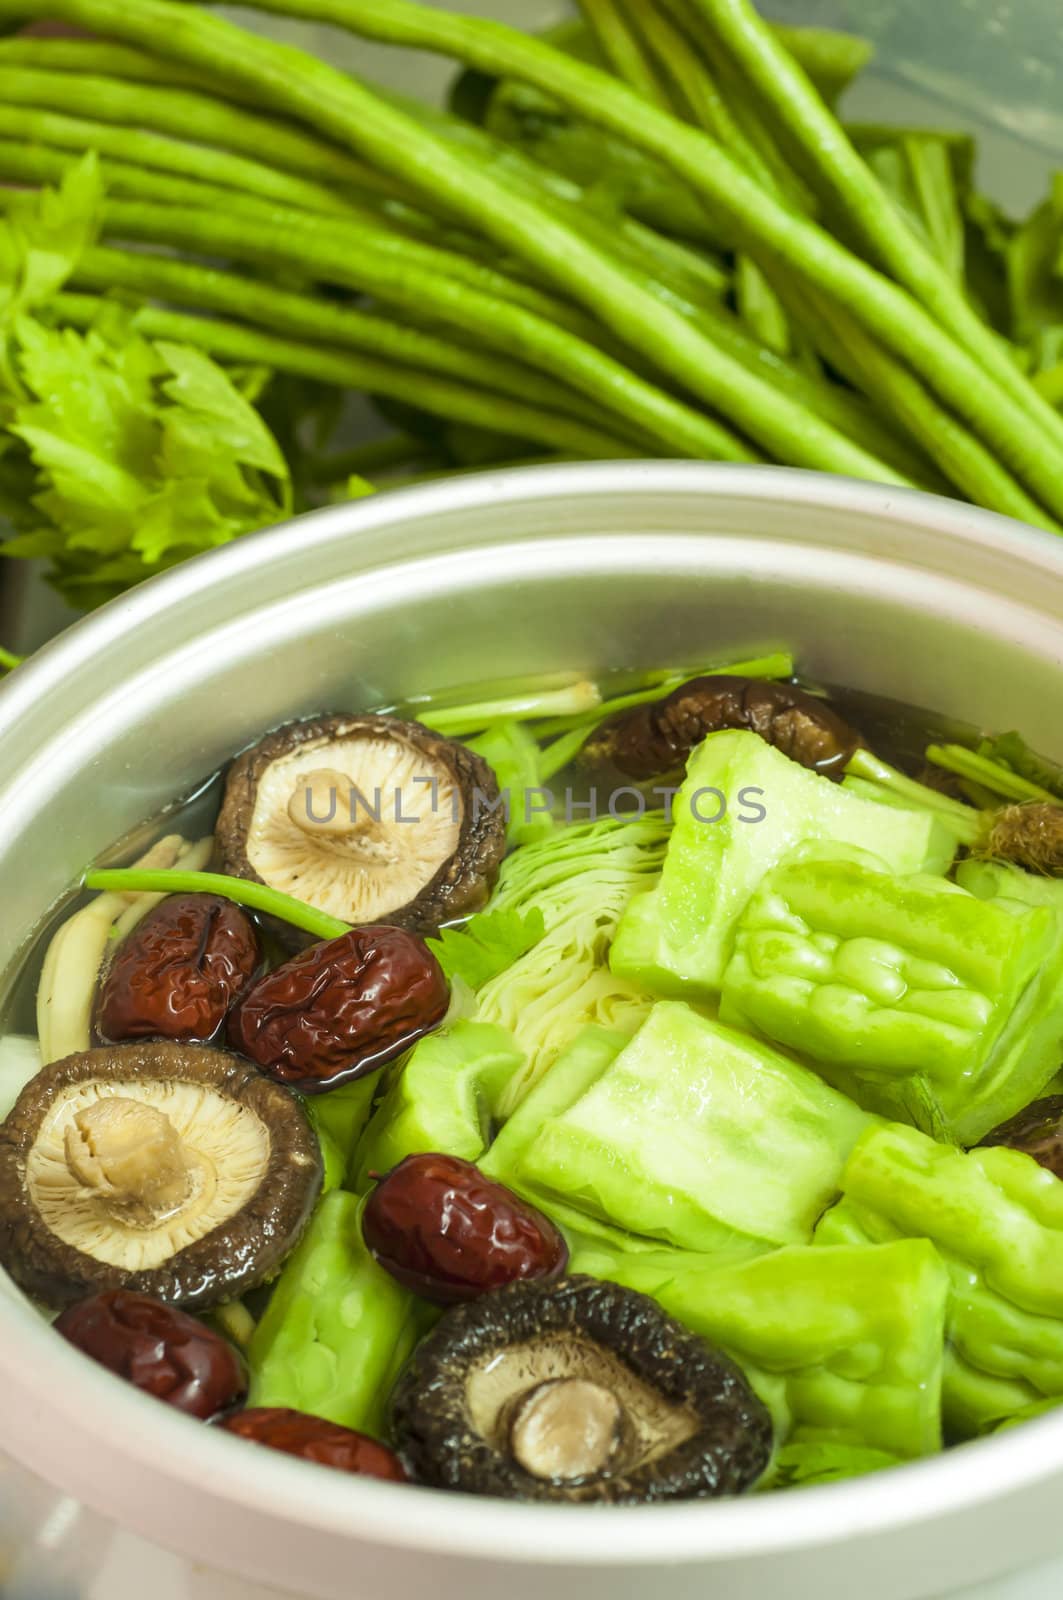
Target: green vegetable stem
point(256, 896)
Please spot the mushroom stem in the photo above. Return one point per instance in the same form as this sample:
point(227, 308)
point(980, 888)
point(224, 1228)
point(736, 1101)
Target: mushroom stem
point(131, 1158)
point(566, 1429)
point(325, 804)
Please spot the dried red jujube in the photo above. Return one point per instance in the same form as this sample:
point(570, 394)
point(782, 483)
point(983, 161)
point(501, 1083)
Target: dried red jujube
point(314, 1439)
point(444, 1231)
point(341, 1009)
point(158, 1349)
point(177, 973)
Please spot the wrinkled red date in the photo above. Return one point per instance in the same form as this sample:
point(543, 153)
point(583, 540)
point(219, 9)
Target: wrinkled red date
point(341, 1009)
point(314, 1439)
point(444, 1231)
point(158, 1349)
point(178, 972)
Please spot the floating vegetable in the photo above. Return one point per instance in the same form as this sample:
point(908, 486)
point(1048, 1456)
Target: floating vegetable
point(575, 1070)
point(576, 1391)
point(315, 1439)
point(177, 973)
point(743, 807)
point(1028, 831)
point(159, 1349)
point(921, 1000)
point(695, 1134)
point(845, 1344)
point(447, 1233)
point(337, 1329)
point(149, 884)
point(578, 882)
point(341, 1009)
point(370, 819)
point(654, 740)
point(444, 1098)
point(996, 1219)
point(171, 1169)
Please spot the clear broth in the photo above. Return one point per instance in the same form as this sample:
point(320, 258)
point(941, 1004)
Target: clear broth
point(899, 733)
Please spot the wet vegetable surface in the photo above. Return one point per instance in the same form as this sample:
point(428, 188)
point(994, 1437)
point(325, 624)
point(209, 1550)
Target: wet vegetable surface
point(448, 1233)
point(341, 1009)
point(1037, 1132)
point(158, 1349)
point(691, 1426)
point(314, 1439)
point(178, 972)
point(655, 739)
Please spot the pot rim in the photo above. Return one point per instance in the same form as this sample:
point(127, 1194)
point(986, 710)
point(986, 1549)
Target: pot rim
point(159, 1445)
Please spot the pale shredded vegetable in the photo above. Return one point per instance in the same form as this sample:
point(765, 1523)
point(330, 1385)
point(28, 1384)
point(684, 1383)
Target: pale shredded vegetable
point(581, 881)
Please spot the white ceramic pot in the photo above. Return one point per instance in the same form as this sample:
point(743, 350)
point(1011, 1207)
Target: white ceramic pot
point(588, 567)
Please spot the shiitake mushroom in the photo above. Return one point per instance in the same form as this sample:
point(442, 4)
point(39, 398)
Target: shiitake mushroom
point(175, 1170)
point(576, 1391)
point(653, 740)
point(1036, 1132)
point(369, 818)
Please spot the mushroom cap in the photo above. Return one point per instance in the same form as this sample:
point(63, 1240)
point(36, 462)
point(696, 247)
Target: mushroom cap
point(254, 1164)
point(425, 834)
point(691, 1426)
point(654, 739)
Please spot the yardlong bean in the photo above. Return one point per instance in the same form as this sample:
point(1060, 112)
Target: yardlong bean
point(404, 281)
point(957, 452)
point(233, 342)
point(347, 111)
point(620, 46)
point(1016, 429)
point(790, 98)
point(180, 175)
point(669, 270)
point(185, 113)
point(190, 285)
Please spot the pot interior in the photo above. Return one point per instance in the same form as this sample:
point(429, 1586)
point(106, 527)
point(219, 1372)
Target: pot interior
point(586, 569)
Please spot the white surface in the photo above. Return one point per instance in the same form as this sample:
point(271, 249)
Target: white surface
point(66, 1553)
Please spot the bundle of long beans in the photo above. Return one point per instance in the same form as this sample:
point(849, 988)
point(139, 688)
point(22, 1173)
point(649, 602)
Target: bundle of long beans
point(270, 209)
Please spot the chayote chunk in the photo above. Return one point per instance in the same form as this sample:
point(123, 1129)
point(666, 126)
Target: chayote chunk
point(575, 1070)
point(339, 1118)
point(442, 1099)
point(337, 1329)
point(696, 1135)
point(676, 940)
point(922, 1000)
